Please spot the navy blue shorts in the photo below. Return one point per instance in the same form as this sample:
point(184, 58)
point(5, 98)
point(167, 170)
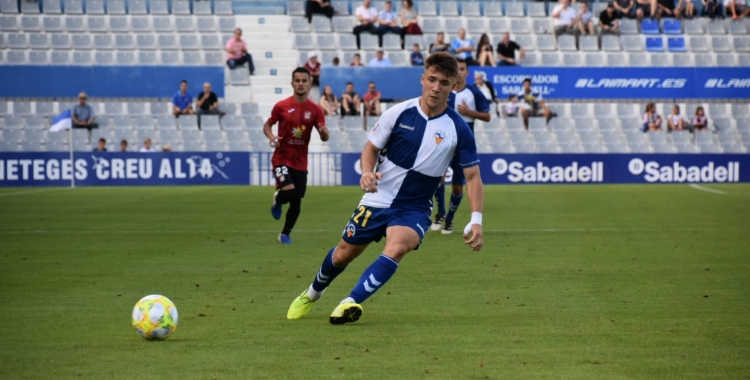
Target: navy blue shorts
point(458, 172)
point(368, 224)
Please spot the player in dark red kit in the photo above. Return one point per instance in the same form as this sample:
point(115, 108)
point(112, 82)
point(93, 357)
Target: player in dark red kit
point(296, 115)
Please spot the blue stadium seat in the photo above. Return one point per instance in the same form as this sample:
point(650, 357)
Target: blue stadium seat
point(649, 26)
point(672, 26)
point(676, 44)
point(654, 44)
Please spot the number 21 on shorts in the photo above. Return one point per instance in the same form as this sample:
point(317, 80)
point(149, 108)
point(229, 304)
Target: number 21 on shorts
point(362, 210)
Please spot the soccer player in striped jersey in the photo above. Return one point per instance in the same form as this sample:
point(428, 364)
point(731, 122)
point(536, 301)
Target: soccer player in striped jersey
point(404, 160)
point(297, 116)
point(471, 104)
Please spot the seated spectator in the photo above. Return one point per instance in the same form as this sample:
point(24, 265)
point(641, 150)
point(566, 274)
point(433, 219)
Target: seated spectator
point(624, 8)
point(485, 55)
point(357, 62)
point(408, 16)
point(675, 122)
point(416, 56)
point(237, 53)
point(506, 52)
point(487, 89)
point(511, 108)
point(147, 146)
point(584, 20)
point(350, 101)
point(124, 146)
point(334, 62)
point(532, 103)
point(651, 119)
point(565, 19)
point(684, 8)
point(608, 22)
point(182, 102)
point(665, 8)
point(380, 60)
point(644, 8)
point(208, 102)
point(712, 9)
point(372, 100)
point(462, 48)
point(82, 115)
point(439, 44)
point(313, 65)
point(328, 102)
point(700, 122)
point(389, 22)
point(166, 148)
point(367, 17)
point(318, 7)
point(101, 145)
point(737, 8)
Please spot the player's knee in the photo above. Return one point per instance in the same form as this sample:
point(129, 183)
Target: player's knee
point(458, 190)
point(345, 253)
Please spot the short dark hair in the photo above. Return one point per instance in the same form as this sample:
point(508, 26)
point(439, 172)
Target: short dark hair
point(410, 2)
point(443, 62)
point(357, 55)
point(183, 81)
point(610, 5)
point(301, 70)
point(415, 45)
point(388, 2)
point(336, 59)
point(349, 83)
point(461, 61)
point(103, 140)
point(124, 142)
point(527, 80)
point(511, 96)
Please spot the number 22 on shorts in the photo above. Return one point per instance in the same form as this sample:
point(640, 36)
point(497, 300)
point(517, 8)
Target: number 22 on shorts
point(366, 212)
point(281, 171)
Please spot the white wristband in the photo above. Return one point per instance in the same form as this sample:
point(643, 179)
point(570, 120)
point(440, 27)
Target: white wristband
point(476, 218)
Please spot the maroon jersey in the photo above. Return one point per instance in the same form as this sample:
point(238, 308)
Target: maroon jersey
point(296, 121)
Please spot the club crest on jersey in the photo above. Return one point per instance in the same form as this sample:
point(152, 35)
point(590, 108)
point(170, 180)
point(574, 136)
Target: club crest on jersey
point(299, 131)
point(350, 230)
point(308, 115)
point(439, 137)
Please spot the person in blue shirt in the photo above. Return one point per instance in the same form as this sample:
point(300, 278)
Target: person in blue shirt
point(416, 56)
point(182, 102)
point(389, 22)
point(463, 47)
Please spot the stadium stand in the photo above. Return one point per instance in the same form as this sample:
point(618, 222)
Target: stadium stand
point(186, 33)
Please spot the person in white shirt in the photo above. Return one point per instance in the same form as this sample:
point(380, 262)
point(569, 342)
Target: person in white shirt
point(367, 17)
point(379, 60)
point(585, 23)
point(675, 121)
point(147, 147)
point(487, 89)
point(565, 18)
point(389, 22)
point(511, 108)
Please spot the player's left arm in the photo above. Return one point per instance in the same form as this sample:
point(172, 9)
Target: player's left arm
point(320, 125)
point(473, 232)
point(483, 107)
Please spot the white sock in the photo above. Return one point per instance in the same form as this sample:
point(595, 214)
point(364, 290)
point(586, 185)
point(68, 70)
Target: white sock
point(314, 294)
point(348, 300)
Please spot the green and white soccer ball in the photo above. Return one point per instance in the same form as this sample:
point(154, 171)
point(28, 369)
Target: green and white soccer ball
point(155, 317)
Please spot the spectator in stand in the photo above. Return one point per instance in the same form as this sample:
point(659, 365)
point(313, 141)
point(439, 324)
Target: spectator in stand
point(700, 122)
point(565, 19)
point(350, 101)
point(651, 119)
point(389, 22)
point(666, 8)
point(329, 102)
point(318, 7)
point(685, 8)
point(101, 145)
point(532, 103)
point(124, 146)
point(511, 108)
point(182, 102)
point(462, 48)
point(608, 22)
point(334, 62)
point(357, 62)
point(737, 8)
point(485, 55)
point(313, 65)
point(712, 9)
point(416, 56)
point(487, 89)
point(506, 52)
point(645, 8)
point(82, 115)
point(147, 148)
point(237, 53)
point(439, 44)
point(380, 60)
point(624, 8)
point(166, 148)
point(208, 102)
point(408, 16)
point(675, 121)
point(584, 20)
point(372, 100)
point(367, 17)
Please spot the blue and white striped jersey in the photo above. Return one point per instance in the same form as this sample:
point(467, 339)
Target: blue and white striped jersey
point(415, 151)
point(474, 99)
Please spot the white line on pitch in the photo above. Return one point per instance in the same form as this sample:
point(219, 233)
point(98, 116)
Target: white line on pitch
point(708, 189)
point(34, 191)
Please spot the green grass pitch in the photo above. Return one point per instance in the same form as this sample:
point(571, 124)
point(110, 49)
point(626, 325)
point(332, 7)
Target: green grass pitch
point(574, 282)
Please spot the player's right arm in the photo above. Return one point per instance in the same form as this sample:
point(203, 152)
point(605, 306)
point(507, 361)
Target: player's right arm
point(273, 140)
point(466, 150)
point(379, 135)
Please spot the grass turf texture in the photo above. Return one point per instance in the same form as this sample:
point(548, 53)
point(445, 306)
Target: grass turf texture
point(600, 282)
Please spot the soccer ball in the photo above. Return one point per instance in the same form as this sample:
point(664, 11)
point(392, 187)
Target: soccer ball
point(155, 317)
